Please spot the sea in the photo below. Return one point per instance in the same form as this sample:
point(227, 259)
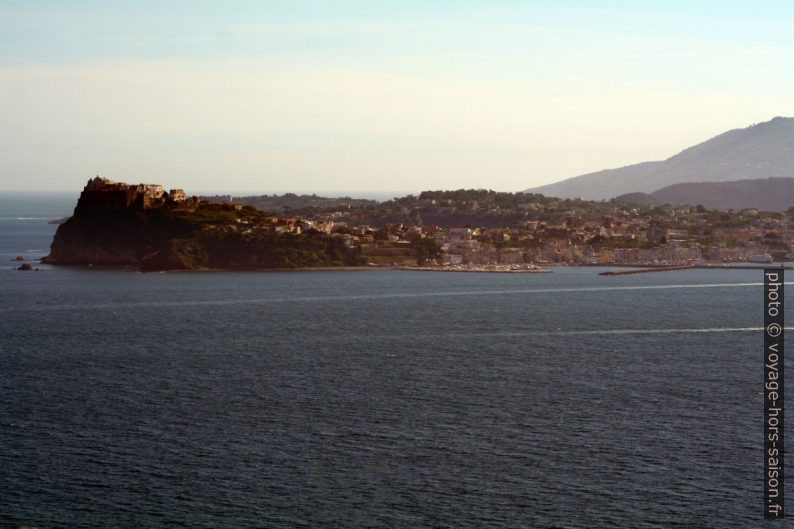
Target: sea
point(374, 398)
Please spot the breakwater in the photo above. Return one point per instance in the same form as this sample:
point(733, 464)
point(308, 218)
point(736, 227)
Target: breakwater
point(646, 270)
point(688, 267)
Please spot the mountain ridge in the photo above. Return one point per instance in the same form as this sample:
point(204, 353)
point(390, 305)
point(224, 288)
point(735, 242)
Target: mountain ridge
point(762, 150)
point(764, 194)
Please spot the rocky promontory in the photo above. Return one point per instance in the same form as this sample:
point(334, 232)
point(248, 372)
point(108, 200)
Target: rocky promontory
point(147, 227)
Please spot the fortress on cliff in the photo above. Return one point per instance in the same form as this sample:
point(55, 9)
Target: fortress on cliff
point(103, 193)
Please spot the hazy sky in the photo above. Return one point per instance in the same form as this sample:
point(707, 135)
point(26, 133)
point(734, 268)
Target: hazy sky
point(373, 96)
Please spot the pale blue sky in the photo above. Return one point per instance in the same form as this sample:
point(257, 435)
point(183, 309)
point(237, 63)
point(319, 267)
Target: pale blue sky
point(324, 96)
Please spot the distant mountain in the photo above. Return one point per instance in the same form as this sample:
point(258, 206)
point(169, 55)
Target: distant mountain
point(767, 194)
point(765, 150)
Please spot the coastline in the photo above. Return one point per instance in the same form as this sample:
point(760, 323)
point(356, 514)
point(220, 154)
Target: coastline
point(645, 270)
point(475, 270)
point(632, 268)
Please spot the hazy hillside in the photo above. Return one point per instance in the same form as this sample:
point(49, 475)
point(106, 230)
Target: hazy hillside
point(765, 150)
point(290, 203)
point(768, 194)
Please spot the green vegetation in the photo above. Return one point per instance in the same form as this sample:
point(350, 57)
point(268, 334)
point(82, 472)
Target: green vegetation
point(425, 249)
point(292, 204)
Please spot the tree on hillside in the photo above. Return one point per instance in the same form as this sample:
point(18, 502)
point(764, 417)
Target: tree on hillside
point(424, 249)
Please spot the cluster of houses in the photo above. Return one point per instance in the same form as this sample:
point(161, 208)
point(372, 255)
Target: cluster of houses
point(583, 233)
point(535, 243)
point(610, 241)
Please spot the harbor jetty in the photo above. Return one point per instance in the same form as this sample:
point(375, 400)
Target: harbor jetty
point(646, 270)
point(689, 267)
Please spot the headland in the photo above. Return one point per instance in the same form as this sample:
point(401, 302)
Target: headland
point(147, 227)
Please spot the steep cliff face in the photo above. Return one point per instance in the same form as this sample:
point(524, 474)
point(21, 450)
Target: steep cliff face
point(73, 250)
point(186, 236)
point(115, 237)
point(98, 236)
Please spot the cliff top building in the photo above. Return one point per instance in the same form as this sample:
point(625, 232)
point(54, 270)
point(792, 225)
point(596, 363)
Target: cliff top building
point(104, 193)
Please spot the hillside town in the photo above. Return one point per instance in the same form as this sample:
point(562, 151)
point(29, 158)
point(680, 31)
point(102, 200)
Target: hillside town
point(512, 229)
point(614, 240)
point(479, 229)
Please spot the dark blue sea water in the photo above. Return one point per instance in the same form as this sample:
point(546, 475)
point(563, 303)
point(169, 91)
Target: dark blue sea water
point(387, 399)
